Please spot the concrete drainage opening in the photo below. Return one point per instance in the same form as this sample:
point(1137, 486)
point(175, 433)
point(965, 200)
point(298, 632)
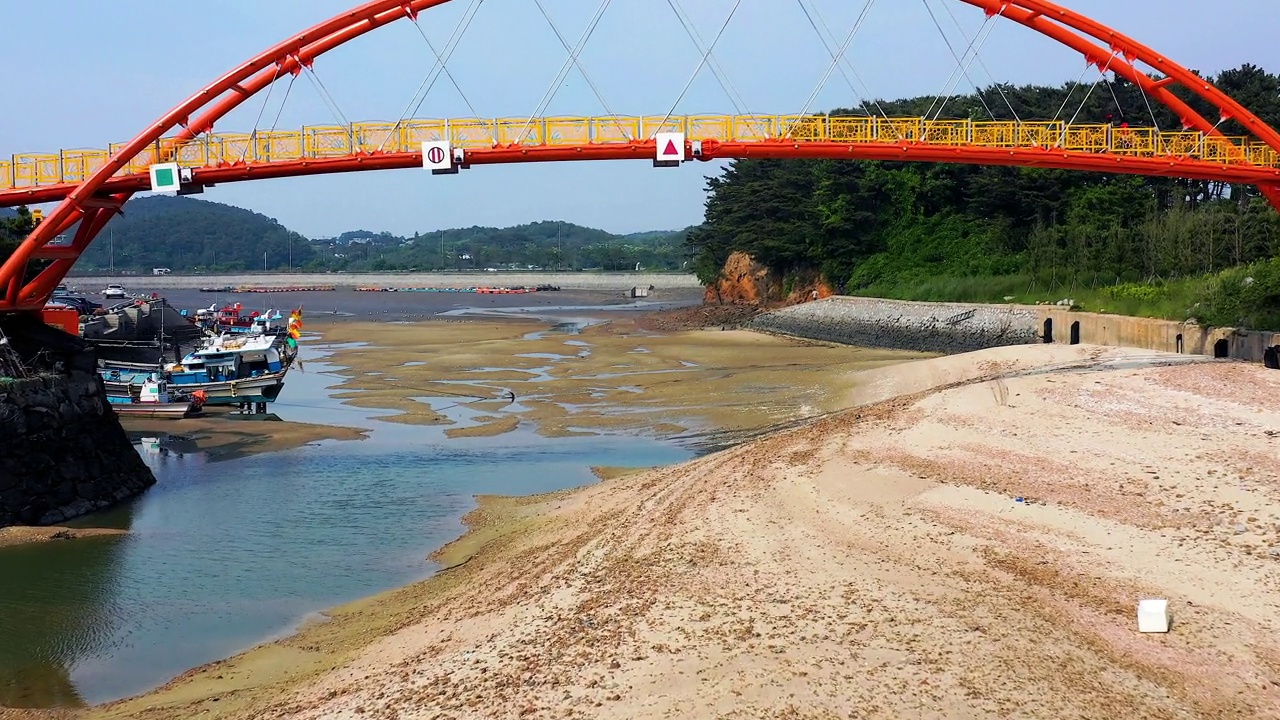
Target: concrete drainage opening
point(1075, 333)
point(1222, 349)
point(1178, 342)
point(1048, 330)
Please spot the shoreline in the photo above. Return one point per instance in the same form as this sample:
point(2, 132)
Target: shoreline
point(15, 535)
point(231, 686)
point(255, 680)
point(615, 335)
point(287, 676)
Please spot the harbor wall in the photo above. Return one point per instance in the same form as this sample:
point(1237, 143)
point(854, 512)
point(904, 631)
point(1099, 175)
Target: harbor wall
point(964, 327)
point(63, 452)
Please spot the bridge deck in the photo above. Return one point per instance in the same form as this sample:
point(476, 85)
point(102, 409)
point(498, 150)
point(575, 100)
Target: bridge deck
point(29, 170)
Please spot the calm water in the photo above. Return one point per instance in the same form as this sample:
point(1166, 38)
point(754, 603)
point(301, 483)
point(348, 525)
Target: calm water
point(223, 555)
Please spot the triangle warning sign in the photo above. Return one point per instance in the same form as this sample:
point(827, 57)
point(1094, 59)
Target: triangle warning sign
point(670, 149)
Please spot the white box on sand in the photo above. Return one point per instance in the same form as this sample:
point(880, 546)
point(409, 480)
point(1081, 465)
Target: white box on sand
point(1153, 616)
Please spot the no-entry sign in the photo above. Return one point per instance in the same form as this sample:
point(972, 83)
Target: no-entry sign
point(437, 155)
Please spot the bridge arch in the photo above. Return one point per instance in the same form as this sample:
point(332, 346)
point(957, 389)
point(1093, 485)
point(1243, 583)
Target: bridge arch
point(96, 199)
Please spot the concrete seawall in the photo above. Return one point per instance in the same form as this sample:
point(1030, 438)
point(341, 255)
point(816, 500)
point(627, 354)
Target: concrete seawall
point(963, 327)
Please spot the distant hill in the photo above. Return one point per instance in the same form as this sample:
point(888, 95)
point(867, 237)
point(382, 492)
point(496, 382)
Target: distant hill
point(191, 235)
point(187, 234)
point(548, 244)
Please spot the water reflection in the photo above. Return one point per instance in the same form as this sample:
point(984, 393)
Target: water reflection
point(56, 603)
point(223, 555)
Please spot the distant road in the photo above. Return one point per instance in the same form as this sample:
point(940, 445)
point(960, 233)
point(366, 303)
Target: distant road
point(568, 281)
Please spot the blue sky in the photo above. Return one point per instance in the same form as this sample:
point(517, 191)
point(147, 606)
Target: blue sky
point(97, 72)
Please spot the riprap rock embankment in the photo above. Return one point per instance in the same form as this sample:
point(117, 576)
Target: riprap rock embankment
point(924, 327)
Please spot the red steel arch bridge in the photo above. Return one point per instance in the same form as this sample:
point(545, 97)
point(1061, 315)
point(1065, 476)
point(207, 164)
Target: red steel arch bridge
point(181, 151)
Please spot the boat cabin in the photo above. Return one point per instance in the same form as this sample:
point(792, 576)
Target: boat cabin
point(228, 358)
point(228, 319)
point(154, 390)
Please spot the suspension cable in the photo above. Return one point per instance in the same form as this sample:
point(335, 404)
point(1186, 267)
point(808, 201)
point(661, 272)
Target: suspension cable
point(327, 98)
point(987, 27)
point(1116, 99)
point(444, 67)
point(253, 136)
point(1101, 76)
point(954, 78)
point(950, 47)
point(564, 71)
point(1154, 122)
point(698, 69)
point(722, 77)
point(429, 81)
point(995, 83)
point(590, 83)
point(830, 47)
point(280, 111)
point(835, 61)
point(1074, 85)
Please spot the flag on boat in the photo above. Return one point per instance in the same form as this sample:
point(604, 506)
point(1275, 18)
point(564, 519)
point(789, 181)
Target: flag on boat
point(295, 328)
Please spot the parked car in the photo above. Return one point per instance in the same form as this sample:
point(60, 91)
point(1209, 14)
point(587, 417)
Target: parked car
point(115, 291)
point(83, 305)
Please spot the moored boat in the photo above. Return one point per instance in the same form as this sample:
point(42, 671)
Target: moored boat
point(228, 319)
point(155, 401)
point(232, 369)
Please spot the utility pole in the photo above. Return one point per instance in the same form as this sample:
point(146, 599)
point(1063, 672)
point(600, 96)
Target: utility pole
point(111, 236)
point(443, 265)
point(290, 253)
point(264, 261)
point(559, 230)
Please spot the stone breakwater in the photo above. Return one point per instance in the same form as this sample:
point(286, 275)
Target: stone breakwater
point(64, 453)
point(900, 325)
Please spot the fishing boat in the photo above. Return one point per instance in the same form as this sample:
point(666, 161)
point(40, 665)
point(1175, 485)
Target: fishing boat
point(155, 401)
point(229, 319)
point(245, 370)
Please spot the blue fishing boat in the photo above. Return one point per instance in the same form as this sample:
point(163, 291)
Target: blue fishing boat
point(241, 369)
point(245, 370)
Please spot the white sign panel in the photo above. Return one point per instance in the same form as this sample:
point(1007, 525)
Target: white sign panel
point(166, 177)
point(670, 147)
point(437, 155)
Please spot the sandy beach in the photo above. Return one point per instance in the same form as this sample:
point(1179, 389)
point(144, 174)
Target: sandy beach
point(874, 562)
point(615, 376)
point(222, 437)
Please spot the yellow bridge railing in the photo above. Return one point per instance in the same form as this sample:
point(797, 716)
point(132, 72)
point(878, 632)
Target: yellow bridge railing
point(327, 141)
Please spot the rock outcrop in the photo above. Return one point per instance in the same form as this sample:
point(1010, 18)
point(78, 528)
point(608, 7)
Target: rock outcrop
point(744, 281)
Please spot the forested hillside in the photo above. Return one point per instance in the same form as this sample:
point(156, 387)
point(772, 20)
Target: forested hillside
point(184, 233)
point(546, 245)
point(191, 235)
point(933, 232)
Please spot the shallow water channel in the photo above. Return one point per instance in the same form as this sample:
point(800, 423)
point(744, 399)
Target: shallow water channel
point(221, 556)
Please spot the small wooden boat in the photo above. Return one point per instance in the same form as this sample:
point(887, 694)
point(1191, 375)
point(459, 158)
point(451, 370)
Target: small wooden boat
point(155, 401)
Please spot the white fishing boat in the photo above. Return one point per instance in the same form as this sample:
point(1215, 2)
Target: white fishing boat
point(155, 401)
